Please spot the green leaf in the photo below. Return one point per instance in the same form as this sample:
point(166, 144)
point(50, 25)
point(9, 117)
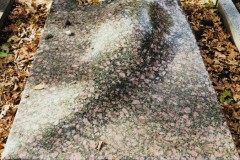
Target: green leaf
point(230, 100)
point(3, 54)
point(209, 5)
point(13, 38)
point(226, 94)
point(221, 99)
point(5, 48)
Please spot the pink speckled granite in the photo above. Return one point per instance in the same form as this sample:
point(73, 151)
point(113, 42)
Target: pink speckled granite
point(129, 76)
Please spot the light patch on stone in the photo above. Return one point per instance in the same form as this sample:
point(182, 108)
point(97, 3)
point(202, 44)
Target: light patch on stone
point(145, 20)
point(109, 34)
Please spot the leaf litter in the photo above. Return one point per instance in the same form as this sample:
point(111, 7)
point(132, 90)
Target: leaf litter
point(19, 39)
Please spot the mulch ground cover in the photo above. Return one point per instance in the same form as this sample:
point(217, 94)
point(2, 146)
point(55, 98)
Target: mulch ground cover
point(18, 42)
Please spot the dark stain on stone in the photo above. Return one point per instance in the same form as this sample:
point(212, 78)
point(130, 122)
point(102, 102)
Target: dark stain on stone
point(115, 90)
point(48, 36)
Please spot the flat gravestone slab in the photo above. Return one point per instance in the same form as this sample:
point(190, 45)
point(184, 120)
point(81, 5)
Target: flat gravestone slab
point(5, 6)
point(130, 83)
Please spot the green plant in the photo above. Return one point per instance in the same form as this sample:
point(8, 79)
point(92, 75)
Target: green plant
point(226, 96)
point(209, 5)
point(4, 50)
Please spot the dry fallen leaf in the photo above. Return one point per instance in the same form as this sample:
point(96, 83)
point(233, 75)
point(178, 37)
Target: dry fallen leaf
point(40, 86)
point(232, 55)
point(209, 60)
point(4, 110)
point(21, 33)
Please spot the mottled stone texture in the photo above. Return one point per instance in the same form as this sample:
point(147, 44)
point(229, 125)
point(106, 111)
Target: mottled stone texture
point(5, 6)
point(130, 78)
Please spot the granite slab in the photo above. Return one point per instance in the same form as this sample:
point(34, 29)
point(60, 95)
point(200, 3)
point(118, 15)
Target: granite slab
point(5, 6)
point(124, 80)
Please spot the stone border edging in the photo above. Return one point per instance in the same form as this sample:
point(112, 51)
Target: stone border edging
point(5, 12)
point(231, 19)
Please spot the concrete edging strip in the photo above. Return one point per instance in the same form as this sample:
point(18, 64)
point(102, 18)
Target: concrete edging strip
point(231, 18)
point(5, 7)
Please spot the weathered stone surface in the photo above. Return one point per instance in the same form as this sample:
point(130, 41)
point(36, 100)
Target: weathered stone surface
point(130, 83)
point(5, 6)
